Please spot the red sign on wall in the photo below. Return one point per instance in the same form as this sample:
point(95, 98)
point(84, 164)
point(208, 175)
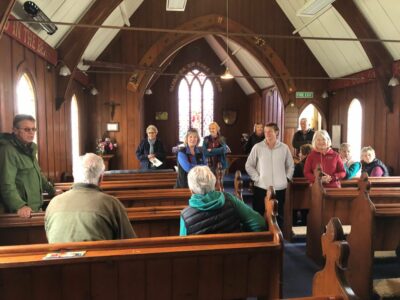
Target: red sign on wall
point(29, 39)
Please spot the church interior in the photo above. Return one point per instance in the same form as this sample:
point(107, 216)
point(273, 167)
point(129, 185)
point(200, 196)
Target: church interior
point(104, 70)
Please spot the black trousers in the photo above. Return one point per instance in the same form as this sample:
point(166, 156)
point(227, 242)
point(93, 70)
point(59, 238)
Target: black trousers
point(259, 205)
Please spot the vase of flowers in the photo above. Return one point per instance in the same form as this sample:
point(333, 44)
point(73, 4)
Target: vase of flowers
point(106, 146)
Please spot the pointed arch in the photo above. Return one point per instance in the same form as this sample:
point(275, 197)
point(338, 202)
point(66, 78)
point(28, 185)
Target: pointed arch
point(354, 127)
point(170, 43)
point(313, 113)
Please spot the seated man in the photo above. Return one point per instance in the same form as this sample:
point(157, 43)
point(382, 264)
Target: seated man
point(215, 212)
point(85, 213)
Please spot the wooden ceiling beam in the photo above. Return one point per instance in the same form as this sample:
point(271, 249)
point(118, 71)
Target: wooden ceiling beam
point(5, 10)
point(74, 45)
point(239, 65)
point(378, 55)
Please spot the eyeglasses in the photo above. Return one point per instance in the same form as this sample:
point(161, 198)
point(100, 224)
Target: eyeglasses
point(26, 129)
point(151, 132)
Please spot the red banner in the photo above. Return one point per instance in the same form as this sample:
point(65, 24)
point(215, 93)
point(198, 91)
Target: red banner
point(29, 39)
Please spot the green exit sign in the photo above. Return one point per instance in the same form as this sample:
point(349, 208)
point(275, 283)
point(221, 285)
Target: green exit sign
point(303, 95)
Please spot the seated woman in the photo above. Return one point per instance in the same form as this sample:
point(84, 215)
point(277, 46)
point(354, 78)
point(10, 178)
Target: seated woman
point(352, 167)
point(189, 157)
point(215, 212)
point(370, 164)
point(149, 149)
point(256, 137)
point(331, 165)
point(305, 150)
point(215, 148)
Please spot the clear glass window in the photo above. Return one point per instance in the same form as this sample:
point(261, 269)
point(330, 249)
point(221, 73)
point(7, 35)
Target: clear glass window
point(354, 128)
point(75, 131)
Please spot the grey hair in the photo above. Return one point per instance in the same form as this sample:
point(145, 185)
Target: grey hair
point(88, 169)
point(344, 146)
point(201, 180)
point(151, 127)
point(324, 134)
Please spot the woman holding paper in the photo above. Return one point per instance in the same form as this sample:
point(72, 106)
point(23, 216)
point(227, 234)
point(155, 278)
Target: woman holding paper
point(151, 151)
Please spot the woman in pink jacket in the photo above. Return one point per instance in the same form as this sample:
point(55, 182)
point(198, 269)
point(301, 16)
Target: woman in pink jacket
point(329, 160)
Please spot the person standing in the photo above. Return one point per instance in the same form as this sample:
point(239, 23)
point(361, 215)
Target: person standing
point(270, 163)
point(322, 154)
point(256, 137)
point(303, 136)
point(149, 149)
point(21, 180)
point(215, 148)
point(85, 213)
point(188, 157)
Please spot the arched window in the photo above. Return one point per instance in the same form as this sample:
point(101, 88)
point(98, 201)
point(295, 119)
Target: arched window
point(26, 102)
point(354, 127)
point(196, 103)
point(74, 130)
point(313, 116)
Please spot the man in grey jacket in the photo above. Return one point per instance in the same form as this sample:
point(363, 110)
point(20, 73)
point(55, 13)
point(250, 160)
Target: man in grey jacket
point(270, 163)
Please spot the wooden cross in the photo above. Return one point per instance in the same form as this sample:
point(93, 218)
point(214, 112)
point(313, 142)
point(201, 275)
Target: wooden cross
point(112, 104)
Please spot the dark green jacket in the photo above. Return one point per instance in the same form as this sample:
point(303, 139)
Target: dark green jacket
point(21, 182)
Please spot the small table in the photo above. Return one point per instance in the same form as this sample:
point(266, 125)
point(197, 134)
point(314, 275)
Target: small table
point(106, 159)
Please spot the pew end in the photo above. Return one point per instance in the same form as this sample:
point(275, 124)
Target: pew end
point(238, 185)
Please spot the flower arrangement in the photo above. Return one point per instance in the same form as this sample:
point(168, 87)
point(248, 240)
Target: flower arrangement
point(106, 146)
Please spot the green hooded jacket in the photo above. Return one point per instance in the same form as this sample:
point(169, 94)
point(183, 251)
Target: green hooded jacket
point(21, 182)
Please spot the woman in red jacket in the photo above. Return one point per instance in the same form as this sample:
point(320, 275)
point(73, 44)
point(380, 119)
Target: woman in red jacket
point(329, 160)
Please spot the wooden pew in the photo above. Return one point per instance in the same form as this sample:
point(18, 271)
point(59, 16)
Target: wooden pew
point(298, 196)
point(215, 266)
point(153, 197)
point(374, 226)
point(329, 202)
point(152, 175)
point(330, 283)
point(146, 221)
point(238, 185)
point(125, 184)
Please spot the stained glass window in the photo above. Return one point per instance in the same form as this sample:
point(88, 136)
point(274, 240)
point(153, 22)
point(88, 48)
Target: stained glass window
point(196, 103)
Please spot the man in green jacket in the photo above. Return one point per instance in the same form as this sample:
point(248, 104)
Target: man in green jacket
point(21, 181)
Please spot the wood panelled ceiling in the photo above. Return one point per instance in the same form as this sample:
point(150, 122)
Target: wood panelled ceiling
point(338, 58)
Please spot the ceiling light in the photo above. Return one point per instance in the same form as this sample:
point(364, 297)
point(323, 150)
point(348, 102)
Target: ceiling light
point(38, 15)
point(325, 95)
point(312, 7)
point(227, 75)
point(94, 91)
point(393, 81)
point(148, 92)
point(64, 71)
point(176, 5)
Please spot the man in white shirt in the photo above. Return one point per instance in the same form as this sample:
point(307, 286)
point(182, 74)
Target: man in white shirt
point(270, 163)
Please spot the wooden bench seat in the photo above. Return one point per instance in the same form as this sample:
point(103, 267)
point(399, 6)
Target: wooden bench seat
point(375, 227)
point(298, 196)
point(159, 174)
point(146, 221)
point(215, 266)
point(337, 202)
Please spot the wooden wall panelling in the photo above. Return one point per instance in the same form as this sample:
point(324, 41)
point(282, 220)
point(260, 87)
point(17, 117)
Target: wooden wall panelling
point(6, 85)
point(49, 93)
point(5, 10)
point(41, 115)
point(393, 132)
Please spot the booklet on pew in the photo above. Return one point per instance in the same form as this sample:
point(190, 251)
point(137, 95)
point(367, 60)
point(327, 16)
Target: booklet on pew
point(65, 254)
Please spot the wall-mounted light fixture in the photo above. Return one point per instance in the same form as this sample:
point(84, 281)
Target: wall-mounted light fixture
point(94, 91)
point(148, 92)
point(38, 15)
point(64, 70)
point(393, 81)
point(324, 95)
